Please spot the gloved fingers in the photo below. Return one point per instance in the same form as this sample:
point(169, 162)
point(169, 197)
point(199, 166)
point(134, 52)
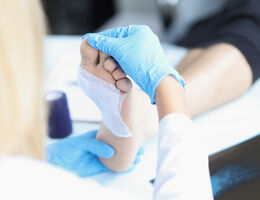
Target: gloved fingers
point(92, 133)
point(124, 31)
point(88, 142)
point(140, 151)
point(119, 32)
point(100, 149)
point(102, 43)
point(49, 155)
point(138, 155)
point(88, 165)
point(137, 160)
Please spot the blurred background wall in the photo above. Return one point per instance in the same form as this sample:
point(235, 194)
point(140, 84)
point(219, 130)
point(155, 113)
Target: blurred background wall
point(81, 16)
point(148, 6)
point(77, 17)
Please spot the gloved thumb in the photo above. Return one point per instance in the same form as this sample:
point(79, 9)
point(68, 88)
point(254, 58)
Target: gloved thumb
point(100, 149)
point(102, 43)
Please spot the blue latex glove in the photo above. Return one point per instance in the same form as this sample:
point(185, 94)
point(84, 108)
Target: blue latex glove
point(139, 53)
point(79, 154)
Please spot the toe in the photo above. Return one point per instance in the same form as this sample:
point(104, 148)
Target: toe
point(118, 73)
point(124, 84)
point(110, 65)
point(102, 58)
point(89, 55)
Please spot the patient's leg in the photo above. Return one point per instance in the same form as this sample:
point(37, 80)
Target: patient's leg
point(104, 67)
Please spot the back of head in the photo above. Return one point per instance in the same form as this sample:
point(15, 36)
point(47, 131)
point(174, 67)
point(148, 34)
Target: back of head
point(21, 77)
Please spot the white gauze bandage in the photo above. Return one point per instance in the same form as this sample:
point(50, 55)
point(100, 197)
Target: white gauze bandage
point(108, 99)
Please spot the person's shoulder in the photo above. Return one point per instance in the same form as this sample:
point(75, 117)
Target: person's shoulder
point(21, 176)
point(19, 166)
point(26, 178)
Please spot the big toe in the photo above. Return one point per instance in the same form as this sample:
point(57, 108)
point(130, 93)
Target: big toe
point(89, 55)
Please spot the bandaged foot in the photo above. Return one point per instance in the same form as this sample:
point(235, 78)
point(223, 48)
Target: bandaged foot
point(106, 84)
point(107, 87)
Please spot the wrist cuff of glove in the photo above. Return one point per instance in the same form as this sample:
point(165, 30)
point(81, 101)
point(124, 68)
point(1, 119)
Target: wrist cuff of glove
point(171, 72)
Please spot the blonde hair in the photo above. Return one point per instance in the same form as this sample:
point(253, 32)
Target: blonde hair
point(21, 78)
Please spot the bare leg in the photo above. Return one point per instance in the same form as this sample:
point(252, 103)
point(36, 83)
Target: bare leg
point(214, 75)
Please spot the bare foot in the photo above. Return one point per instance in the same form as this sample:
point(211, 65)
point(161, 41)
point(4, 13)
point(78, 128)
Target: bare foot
point(135, 106)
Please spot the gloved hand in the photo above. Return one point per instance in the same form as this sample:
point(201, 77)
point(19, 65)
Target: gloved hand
point(79, 154)
point(139, 53)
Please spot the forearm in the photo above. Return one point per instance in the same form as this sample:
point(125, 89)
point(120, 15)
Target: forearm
point(170, 98)
point(182, 160)
point(214, 76)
